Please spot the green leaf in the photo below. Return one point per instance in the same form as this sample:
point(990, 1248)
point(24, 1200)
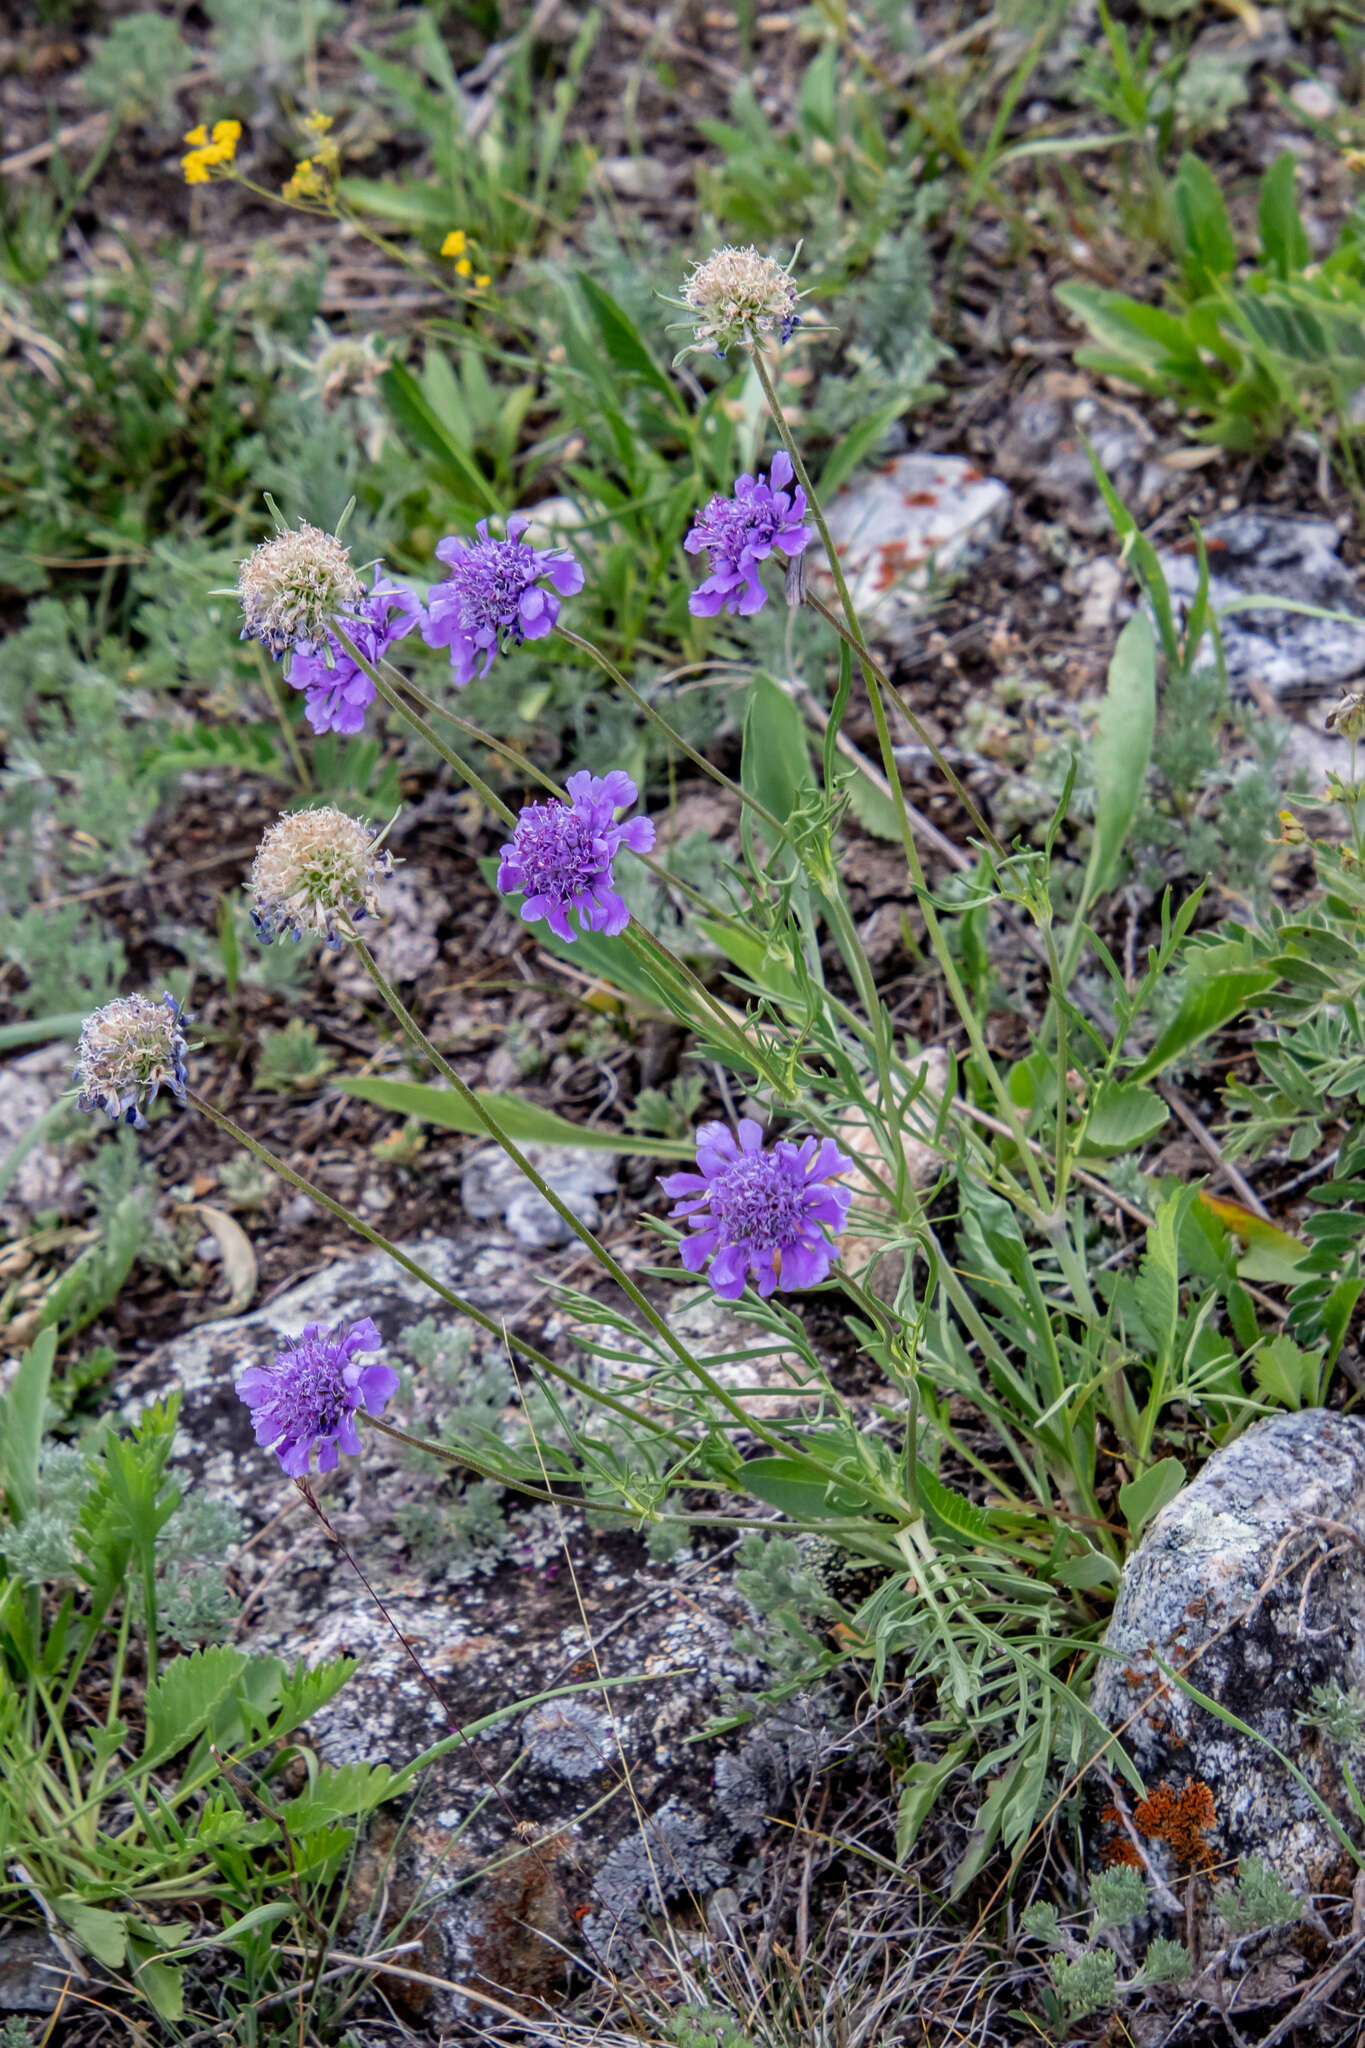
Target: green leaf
point(860, 442)
point(1124, 1116)
point(1149, 338)
point(1122, 750)
point(1210, 1000)
point(161, 1984)
point(1210, 246)
point(1284, 240)
point(67, 1024)
point(874, 810)
point(1286, 1375)
point(920, 1786)
point(1084, 1574)
point(1144, 1497)
point(786, 1484)
point(525, 1123)
point(1271, 1256)
point(622, 342)
point(182, 1700)
point(962, 1516)
point(21, 1426)
point(103, 1935)
point(775, 765)
point(756, 958)
point(417, 417)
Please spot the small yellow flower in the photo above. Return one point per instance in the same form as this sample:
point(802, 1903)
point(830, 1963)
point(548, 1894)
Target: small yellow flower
point(306, 182)
point(318, 124)
point(226, 136)
point(455, 243)
point(207, 153)
point(464, 268)
point(197, 137)
point(195, 168)
point(482, 281)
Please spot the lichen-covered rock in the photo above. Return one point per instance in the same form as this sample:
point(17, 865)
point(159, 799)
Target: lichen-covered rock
point(502, 1607)
point(898, 526)
point(1256, 553)
point(493, 1187)
point(1251, 1585)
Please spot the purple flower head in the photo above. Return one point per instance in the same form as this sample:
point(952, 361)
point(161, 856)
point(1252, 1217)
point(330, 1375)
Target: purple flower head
point(129, 1049)
point(494, 596)
point(561, 855)
point(339, 693)
point(308, 1398)
point(760, 1210)
point(740, 532)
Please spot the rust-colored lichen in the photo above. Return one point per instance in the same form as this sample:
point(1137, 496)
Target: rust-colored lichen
point(1180, 1819)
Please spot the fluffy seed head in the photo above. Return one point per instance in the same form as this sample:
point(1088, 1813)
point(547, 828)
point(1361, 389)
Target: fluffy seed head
point(128, 1050)
point(739, 296)
point(292, 584)
point(311, 869)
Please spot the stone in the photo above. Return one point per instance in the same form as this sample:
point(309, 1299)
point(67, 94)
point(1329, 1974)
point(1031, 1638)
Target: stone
point(1042, 449)
point(33, 1970)
point(1250, 1583)
point(505, 1886)
point(898, 527)
point(492, 1186)
point(1261, 553)
point(44, 1179)
point(404, 939)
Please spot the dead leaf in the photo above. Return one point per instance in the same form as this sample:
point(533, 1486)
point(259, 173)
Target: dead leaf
point(239, 1260)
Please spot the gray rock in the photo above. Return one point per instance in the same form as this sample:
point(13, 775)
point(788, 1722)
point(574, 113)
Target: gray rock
point(1042, 448)
point(1258, 553)
point(44, 1179)
point(492, 1187)
point(32, 1970)
point(502, 1886)
point(899, 526)
point(1251, 1583)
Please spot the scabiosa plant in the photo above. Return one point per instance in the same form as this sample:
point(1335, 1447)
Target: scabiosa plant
point(313, 868)
point(293, 585)
point(738, 298)
point(740, 532)
point(494, 596)
point(338, 691)
point(561, 855)
point(129, 1050)
point(307, 1400)
point(765, 1210)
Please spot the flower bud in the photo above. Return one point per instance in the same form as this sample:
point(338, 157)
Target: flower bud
point(312, 869)
point(128, 1050)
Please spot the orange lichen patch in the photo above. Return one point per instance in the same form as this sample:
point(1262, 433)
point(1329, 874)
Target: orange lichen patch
point(1180, 1818)
point(1121, 1849)
point(919, 497)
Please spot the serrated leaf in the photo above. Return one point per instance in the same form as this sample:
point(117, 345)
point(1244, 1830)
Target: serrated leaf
point(953, 1510)
point(1210, 1000)
point(1287, 1375)
point(182, 1699)
point(1146, 1495)
point(1084, 1574)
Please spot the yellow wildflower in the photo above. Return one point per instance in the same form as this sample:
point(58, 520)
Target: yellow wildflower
point(197, 137)
point(317, 124)
point(207, 152)
point(226, 136)
point(306, 183)
point(464, 268)
point(482, 281)
point(455, 244)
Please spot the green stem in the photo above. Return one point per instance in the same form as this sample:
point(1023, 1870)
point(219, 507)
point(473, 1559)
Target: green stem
point(539, 1359)
point(940, 760)
point(609, 1264)
point(420, 725)
point(947, 965)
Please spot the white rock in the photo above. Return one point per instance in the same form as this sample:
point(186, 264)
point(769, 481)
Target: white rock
point(899, 526)
point(493, 1188)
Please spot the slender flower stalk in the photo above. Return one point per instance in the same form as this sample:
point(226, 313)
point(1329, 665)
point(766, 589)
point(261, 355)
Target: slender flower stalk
point(534, 1356)
point(942, 953)
point(419, 725)
point(609, 1263)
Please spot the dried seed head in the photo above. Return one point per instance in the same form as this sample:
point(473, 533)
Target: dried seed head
point(738, 297)
point(292, 585)
point(1348, 717)
point(313, 868)
point(128, 1050)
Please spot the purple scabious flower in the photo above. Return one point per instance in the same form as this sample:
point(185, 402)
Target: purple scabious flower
point(307, 1400)
point(128, 1050)
point(338, 692)
point(740, 532)
point(765, 1211)
point(494, 596)
point(561, 855)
